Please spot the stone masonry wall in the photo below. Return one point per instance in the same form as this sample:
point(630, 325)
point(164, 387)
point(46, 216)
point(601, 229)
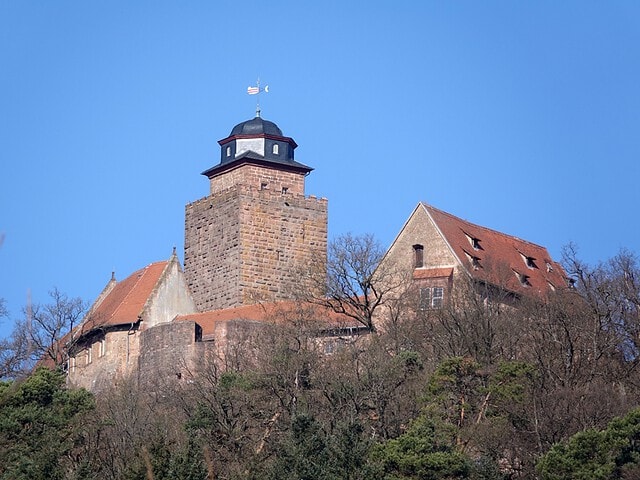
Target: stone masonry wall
point(168, 353)
point(421, 230)
point(257, 176)
point(281, 237)
point(246, 243)
point(120, 359)
point(212, 250)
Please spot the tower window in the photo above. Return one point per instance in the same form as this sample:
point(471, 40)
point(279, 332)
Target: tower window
point(89, 356)
point(263, 186)
point(285, 190)
point(418, 256)
point(276, 149)
point(103, 347)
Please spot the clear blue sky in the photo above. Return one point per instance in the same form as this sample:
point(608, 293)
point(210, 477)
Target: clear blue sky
point(520, 116)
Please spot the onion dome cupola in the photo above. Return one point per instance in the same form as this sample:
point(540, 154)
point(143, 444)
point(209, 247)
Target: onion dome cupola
point(257, 141)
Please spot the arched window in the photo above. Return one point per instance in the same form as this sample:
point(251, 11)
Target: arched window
point(228, 151)
point(276, 149)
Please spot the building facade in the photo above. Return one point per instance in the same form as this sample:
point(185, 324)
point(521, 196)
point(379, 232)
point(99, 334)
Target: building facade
point(248, 244)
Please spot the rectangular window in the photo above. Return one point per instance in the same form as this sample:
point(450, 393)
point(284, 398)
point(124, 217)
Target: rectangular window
point(437, 296)
point(103, 347)
point(431, 297)
point(425, 299)
point(89, 357)
point(418, 256)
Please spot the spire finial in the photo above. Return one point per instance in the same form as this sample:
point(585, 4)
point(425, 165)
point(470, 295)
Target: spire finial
point(256, 91)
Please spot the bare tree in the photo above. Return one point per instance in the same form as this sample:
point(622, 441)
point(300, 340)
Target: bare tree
point(14, 353)
point(46, 325)
point(356, 282)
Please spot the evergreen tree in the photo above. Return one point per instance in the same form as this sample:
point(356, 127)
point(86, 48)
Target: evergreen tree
point(40, 426)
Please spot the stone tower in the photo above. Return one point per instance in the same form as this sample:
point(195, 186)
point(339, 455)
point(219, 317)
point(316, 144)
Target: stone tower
point(252, 236)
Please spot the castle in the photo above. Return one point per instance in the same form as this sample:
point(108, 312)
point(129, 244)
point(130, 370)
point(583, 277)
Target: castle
point(245, 246)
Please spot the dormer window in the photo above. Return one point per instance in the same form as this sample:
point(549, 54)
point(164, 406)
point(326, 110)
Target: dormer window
point(228, 151)
point(418, 256)
point(530, 262)
point(473, 260)
point(549, 268)
point(552, 287)
point(275, 149)
point(523, 279)
point(474, 241)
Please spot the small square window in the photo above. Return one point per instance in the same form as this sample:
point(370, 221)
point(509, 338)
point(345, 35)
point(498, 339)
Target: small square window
point(263, 186)
point(285, 190)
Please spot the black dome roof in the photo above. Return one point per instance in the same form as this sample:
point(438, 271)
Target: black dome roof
point(256, 126)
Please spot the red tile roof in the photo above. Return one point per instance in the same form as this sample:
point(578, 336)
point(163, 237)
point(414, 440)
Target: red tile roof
point(271, 312)
point(125, 302)
point(420, 273)
point(498, 258)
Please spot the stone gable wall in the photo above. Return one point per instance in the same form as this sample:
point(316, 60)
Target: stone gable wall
point(170, 298)
point(421, 230)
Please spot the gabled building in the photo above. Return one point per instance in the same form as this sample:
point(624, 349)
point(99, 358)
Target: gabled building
point(106, 346)
point(246, 244)
point(438, 248)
